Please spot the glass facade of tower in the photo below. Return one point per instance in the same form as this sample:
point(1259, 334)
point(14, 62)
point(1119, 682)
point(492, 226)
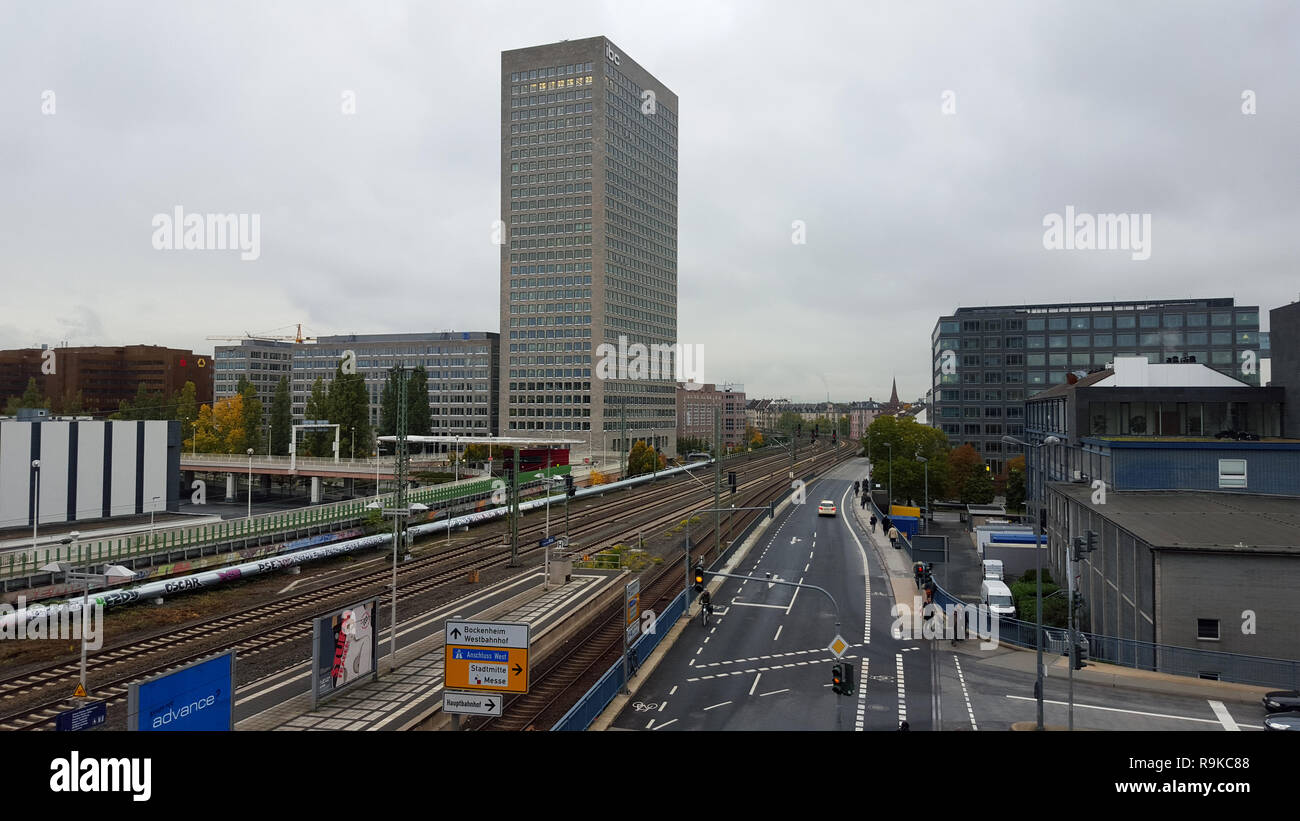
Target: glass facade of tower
point(988, 361)
point(589, 208)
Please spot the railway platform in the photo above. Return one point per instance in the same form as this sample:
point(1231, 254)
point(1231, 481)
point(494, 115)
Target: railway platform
point(411, 696)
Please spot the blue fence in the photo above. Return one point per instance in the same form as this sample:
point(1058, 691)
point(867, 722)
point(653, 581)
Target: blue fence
point(598, 697)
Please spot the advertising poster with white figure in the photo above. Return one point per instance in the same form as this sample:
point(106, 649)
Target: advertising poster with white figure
point(343, 650)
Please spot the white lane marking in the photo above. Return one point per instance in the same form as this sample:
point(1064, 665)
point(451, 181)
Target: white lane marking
point(1132, 712)
point(805, 567)
point(1224, 717)
point(779, 628)
point(697, 652)
point(810, 555)
point(714, 630)
point(723, 704)
point(902, 693)
point(755, 684)
point(962, 678)
point(665, 724)
point(860, 722)
point(792, 598)
point(673, 691)
point(706, 641)
point(774, 692)
point(866, 576)
point(755, 604)
point(662, 706)
point(651, 723)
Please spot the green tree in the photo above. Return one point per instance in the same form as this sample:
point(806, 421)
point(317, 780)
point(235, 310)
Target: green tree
point(388, 405)
point(964, 463)
point(641, 460)
point(252, 421)
point(1016, 483)
point(349, 408)
point(903, 440)
point(318, 408)
point(787, 422)
point(419, 419)
point(281, 418)
point(978, 489)
point(33, 397)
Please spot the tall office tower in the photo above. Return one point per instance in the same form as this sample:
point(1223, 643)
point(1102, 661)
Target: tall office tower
point(589, 255)
point(988, 361)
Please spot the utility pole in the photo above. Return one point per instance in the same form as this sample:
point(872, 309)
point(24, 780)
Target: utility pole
point(717, 479)
point(623, 447)
point(514, 508)
point(402, 460)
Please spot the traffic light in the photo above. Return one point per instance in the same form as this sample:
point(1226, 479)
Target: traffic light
point(731, 480)
point(1079, 657)
point(837, 678)
point(1076, 601)
point(699, 576)
point(570, 489)
point(834, 434)
point(848, 678)
point(771, 510)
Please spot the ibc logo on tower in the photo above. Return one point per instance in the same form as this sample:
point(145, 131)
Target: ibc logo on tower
point(612, 55)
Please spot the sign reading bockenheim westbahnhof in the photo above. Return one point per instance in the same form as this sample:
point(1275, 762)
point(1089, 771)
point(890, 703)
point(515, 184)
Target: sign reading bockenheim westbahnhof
point(486, 655)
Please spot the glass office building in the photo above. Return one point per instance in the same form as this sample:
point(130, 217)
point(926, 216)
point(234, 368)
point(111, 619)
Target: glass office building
point(589, 253)
point(988, 361)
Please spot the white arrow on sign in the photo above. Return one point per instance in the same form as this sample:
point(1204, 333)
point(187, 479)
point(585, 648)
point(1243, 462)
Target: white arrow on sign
point(478, 704)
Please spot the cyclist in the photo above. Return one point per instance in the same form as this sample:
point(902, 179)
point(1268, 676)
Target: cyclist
point(706, 605)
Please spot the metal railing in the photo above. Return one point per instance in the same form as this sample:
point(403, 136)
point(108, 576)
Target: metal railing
point(21, 563)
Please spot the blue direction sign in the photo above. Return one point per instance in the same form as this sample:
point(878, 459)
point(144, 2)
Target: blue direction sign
point(92, 715)
point(547, 542)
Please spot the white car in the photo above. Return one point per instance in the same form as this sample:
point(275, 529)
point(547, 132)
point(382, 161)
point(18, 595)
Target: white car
point(826, 508)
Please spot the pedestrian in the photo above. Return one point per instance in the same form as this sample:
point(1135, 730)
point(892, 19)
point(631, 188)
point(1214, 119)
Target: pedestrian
point(873, 523)
point(893, 536)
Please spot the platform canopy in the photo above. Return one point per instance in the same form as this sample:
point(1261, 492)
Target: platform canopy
point(509, 441)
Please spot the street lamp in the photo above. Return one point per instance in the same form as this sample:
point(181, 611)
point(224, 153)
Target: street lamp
point(396, 513)
point(152, 507)
point(1038, 555)
point(925, 512)
point(112, 571)
point(890, 445)
point(352, 454)
point(250, 483)
point(36, 500)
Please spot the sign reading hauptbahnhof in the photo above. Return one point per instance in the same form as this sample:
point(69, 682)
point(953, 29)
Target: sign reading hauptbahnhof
point(487, 655)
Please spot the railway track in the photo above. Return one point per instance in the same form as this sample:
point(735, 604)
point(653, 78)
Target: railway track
point(580, 663)
point(270, 625)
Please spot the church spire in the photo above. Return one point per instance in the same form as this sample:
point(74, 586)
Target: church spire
point(893, 395)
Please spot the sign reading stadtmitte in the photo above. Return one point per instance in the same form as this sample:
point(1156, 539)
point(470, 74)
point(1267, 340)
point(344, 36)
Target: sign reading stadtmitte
point(486, 655)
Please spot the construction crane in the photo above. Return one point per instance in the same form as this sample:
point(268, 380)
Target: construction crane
point(299, 338)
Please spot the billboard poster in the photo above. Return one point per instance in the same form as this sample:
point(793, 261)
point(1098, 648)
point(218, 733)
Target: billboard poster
point(344, 650)
point(197, 697)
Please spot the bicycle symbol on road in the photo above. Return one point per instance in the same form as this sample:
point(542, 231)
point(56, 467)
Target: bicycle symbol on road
point(642, 707)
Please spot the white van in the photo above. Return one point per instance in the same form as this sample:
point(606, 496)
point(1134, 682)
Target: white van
point(993, 569)
point(998, 598)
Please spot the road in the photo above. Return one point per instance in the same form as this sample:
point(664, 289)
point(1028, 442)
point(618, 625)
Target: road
point(762, 662)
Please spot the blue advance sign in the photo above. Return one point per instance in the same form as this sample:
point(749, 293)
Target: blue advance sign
point(198, 697)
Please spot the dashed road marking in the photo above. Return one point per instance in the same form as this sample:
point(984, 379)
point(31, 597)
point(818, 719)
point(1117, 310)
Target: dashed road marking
point(673, 691)
point(860, 722)
point(755, 684)
point(723, 704)
point(774, 692)
point(962, 678)
point(902, 694)
point(779, 627)
point(665, 724)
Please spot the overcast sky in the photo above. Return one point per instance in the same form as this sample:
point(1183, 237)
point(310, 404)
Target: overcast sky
point(828, 113)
